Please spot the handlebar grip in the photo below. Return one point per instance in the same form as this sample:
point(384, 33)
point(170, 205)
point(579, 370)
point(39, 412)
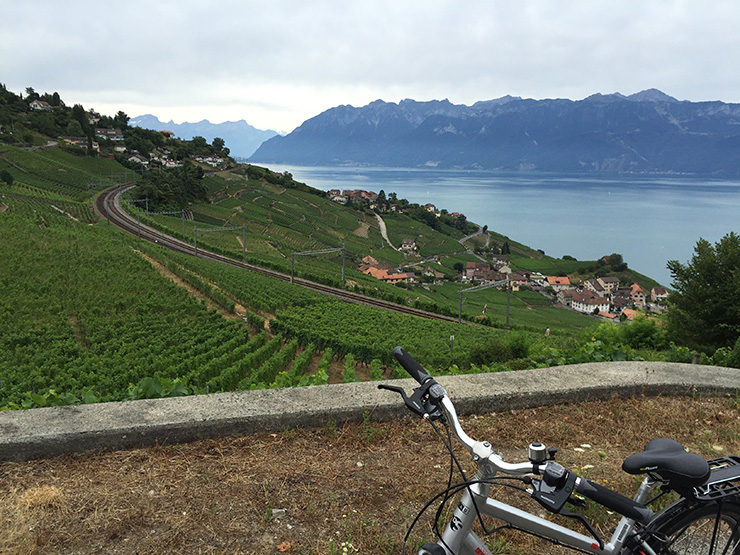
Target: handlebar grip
point(411, 366)
point(613, 500)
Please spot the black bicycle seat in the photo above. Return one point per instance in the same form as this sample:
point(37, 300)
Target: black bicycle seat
point(668, 459)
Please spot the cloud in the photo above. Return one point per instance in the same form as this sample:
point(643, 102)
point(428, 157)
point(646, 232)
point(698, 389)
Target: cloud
point(277, 63)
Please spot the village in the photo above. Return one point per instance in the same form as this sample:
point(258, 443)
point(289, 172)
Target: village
point(113, 142)
point(604, 297)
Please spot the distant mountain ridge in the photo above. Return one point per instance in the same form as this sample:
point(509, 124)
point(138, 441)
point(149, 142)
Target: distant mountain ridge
point(647, 132)
point(241, 138)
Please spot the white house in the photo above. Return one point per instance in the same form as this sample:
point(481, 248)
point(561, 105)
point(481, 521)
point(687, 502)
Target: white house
point(588, 302)
point(40, 105)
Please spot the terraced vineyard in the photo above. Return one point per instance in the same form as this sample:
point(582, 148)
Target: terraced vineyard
point(91, 314)
point(101, 323)
point(101, 319)
point(56, 171)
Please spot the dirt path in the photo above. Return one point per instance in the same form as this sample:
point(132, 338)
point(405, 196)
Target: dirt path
point(384, 231)
point(240, 312)
point(64, 212)
point(470, 251)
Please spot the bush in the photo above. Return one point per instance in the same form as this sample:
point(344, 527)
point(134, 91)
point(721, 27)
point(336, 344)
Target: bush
point(644, 332)
point(6, 177)
point(349, 375)
point(519, 345)
point(495, 350)
point(376, 370)
point(725, 356)
point(676, 353)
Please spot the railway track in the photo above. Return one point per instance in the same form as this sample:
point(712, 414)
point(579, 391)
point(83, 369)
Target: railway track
point(108, 204)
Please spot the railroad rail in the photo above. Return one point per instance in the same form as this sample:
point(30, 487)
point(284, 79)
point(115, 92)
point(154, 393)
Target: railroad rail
point(108, 204)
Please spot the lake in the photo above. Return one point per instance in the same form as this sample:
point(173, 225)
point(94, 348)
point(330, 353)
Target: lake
point(649, 220)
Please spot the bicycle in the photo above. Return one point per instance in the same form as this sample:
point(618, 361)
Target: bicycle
point(703, 521)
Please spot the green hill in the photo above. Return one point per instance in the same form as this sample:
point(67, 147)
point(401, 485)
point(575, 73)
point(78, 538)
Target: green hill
point(92, 314)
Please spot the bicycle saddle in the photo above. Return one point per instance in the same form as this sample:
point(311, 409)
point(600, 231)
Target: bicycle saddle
point(668, 459)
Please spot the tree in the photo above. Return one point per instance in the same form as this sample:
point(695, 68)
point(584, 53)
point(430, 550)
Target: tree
point(174, 187)
point(616, 262)
point(199, 143)
point(462, 223)
point(218, 144)
point(704, 311)
point(78, 113)
point(6, 177)
point(121, 120)
point(74, 129)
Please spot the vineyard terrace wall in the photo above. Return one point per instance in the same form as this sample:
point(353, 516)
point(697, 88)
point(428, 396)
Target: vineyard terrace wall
point(48, 432)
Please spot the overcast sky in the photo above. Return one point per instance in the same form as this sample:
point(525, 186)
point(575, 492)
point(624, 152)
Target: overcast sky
point(276, 63)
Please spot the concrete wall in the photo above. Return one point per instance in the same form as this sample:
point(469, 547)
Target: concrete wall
point(48, 432)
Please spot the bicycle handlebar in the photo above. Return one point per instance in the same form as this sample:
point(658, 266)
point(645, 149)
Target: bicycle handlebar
point(411, 366)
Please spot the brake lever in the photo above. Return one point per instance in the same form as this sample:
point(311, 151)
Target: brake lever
point(414, 403)
point(395, 388)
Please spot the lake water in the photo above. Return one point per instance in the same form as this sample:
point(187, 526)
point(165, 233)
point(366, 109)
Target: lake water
point(649, 220)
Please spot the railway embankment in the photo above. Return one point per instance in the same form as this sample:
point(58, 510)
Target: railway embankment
point(108, 205)
point(48, 432)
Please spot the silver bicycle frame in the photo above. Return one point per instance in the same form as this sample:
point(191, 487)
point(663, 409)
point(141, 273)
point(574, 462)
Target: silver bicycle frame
point(459, 538)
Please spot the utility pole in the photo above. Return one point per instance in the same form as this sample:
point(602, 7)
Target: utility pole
point(499, 283)
point(203, 229)
point(308, 253)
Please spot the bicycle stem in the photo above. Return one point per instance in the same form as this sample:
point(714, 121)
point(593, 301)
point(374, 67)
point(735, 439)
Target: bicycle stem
point(481, 451)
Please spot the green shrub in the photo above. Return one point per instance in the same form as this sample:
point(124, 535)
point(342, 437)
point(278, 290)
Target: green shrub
point(493, 350)
point(643, 332)
point(349, 375)
point(677, 353)
point(376, 370)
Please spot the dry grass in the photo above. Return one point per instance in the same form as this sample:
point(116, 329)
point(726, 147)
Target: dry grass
point(310, 491)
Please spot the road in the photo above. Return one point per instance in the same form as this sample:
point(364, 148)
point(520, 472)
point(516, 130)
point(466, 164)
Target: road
point(467, 237)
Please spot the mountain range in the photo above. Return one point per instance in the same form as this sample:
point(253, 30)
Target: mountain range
point(647, 132)
point(241, 138)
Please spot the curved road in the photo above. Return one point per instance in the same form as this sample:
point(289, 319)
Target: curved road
point(108, 204)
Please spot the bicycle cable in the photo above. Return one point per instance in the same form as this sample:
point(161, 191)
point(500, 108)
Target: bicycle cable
point(451, 490)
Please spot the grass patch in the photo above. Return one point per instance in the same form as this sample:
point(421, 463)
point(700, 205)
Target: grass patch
point(339, 483)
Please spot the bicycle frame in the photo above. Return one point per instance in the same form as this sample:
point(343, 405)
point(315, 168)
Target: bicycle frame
point(461, 540)
point(458, 536)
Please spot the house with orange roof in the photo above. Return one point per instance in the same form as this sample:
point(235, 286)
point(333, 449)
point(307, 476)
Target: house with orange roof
point(630, 313)
point(558, 283)
point(386, 276)
point(638, 295)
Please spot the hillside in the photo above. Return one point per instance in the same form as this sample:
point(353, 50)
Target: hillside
point(648, 132)
point(91, 314)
